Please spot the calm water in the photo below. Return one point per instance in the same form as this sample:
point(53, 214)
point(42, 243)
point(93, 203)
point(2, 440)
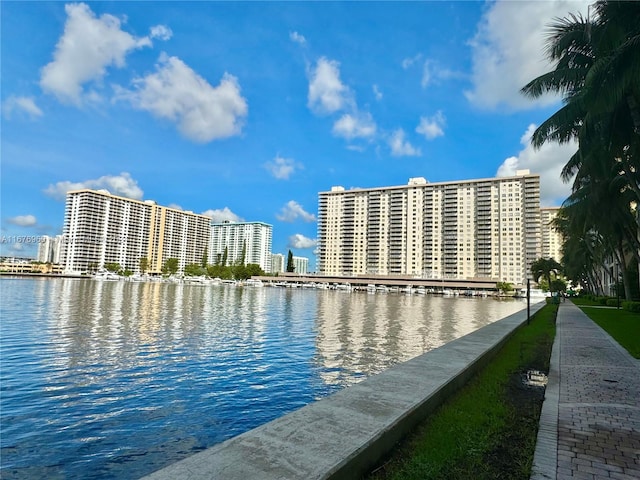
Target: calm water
point(115, 380)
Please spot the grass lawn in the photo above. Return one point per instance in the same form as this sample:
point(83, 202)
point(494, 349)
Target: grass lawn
point(487, 430)
point(622, 325)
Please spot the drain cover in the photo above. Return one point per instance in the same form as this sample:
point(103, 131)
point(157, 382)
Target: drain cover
point(535, 378)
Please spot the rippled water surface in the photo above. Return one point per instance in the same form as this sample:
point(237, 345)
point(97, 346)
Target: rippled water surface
point(116, 379)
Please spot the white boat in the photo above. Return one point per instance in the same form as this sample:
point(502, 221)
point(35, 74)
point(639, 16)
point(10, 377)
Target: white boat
point(345, 287)
point(536, 293)
point(254, 282)
point(107, 276)
point(382, 289)
point(371, 288)
point(420, 291)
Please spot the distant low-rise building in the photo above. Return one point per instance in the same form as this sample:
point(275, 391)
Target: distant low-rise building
point(26, 265)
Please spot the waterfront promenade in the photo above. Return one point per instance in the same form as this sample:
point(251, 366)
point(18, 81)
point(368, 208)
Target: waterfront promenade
point(590, 422)
point(344, 435)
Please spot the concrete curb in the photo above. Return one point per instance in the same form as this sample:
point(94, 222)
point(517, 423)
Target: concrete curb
point(545, 458)
point(344, 435)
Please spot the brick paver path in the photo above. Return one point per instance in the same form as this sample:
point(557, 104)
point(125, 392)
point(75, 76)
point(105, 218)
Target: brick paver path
point(590, 423)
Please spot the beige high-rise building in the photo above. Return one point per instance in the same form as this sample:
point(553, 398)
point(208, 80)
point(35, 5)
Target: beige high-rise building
point(551, 239)
point(101, 228)
point(488, 229)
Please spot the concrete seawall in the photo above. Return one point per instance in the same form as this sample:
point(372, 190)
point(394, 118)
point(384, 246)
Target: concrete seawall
point(344, 435)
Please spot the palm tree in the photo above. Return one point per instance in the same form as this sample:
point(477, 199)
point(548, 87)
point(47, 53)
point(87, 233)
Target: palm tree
point(543, 268)
point(597, 70)
point(597, 67)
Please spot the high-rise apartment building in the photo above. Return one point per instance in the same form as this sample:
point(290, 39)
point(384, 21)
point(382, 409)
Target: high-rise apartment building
point(488, 228)
point(255, 238)
point(45, 249)
point(300, 265)
point(50, 249)
point(102, 228)
point(551, 239)
point(277, 263)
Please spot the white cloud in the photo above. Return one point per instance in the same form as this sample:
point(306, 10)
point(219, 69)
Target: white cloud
point(432, 71)
point(427, 74)
point(161, 32)
point(222, 215)
point(292, 211)
point(508, 50)
point(356, 148)
point(432, 127)
point(282, 168)
point(327, 93)
point(377, 92)
point(88, 46)
point(21, 104)
point(175, 206)
point(354, 126)
point(122, 185)
point(547, 161)
point(177, 93)
point(298, 38)
point(300, 241)
point(408, 62)
point(23, 220)
point(400, 147)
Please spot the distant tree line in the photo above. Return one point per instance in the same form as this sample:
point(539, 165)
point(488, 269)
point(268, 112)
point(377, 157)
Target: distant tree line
point(220, 268)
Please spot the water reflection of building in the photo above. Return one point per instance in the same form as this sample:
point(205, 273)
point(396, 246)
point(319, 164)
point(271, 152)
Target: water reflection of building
point(361, 334)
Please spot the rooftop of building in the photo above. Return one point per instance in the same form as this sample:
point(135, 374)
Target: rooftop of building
point(421, 181)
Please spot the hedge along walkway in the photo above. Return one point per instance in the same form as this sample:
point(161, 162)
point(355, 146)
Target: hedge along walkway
point(590, 422)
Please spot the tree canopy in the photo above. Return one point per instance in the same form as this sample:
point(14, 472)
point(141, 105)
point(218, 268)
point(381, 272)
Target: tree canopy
point(290, 266)
point(170, 266)
point(545, 268)
point(597, 72)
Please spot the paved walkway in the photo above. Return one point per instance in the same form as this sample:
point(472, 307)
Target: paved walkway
point(590, 422)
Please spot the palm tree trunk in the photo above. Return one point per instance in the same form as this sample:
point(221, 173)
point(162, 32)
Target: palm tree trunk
point(622, 268)
point(594, 278)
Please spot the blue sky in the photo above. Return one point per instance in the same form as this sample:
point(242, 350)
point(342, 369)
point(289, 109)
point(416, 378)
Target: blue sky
point(245, 111)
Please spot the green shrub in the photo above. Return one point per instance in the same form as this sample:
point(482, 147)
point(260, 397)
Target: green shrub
point(612, 302)
point(631, 306)
point(601, 300)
